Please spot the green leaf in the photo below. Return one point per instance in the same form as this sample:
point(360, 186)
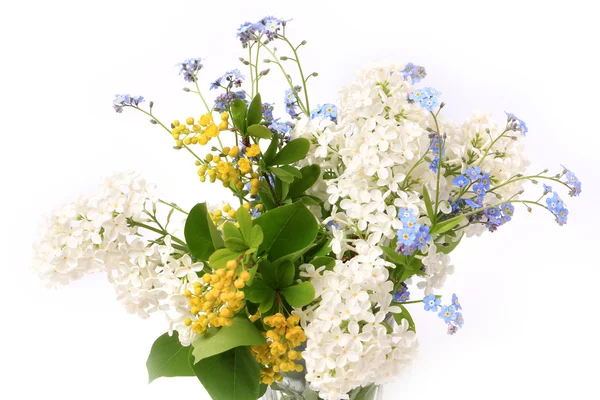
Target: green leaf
point(278, 275)
point(271, 151)
point(299, 295)
point(232, 375)
point(168, 358)
point(364, 393)
point(259, 291)
point(201, 235)
point(286, 229)
point(295, 150)
point(428, 204)
point(328, 262)
point(448, 247)
point(404, 315)
point(236, 244)
point(310, 200)
point(257, 236)
point(445, 226)
point(310, 174)
point(255, 112)
point(267, 199)
point(393, 256)
point(282, 174)
point(218, 340)
point(238, 115)
point(295, 172)
point(220, 257)
point(231, 231)
point(323, 249)
point(245, 222)
point(259, 131)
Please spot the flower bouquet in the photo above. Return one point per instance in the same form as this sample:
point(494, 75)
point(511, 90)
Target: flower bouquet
point(300, 287)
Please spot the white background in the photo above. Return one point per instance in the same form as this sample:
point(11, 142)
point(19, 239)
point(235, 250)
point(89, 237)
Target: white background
point(529, 290)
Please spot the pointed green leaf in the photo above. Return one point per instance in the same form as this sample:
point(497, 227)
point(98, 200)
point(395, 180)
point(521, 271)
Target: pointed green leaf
point(168, 358)
point(238, 115)
point(220, 257)
point(245, 222)
point(257, 236)
point(217, 340)
point(393, 256)
point(277, 275)
point(294, 151)
point(295, 172)
point(236, 244)
point(267, 199)
point(231, 231)
point(428, 205)
point(255, 112)
point(286, 229)
point(299, 295)
point(282, 174)
point(232, 375)
point(201, 235)
point(445, 226)
point(271, 151)
point(259, 131)
point(310, 174)
point(258, 291)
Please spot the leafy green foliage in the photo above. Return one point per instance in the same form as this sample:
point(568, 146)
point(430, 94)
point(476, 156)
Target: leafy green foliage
point(201, 234)
point(231, 375)
point(245, 222)
point(286, 230)
point(235, 244)
point(168, 358)
point(428, 205)
point(294, 151)
point(445, 226)
point(231, 231)
point(328, 262)
point(260, 292)
point(299, 295)
point(447, 248)
point(259, 131)
point(309, 176)
point(277, 275)
point(238, 115)
point(220, 257)
point(255, 112)
point(218, 340)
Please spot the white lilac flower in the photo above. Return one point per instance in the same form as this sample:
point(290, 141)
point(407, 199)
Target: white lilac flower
point(347, 341)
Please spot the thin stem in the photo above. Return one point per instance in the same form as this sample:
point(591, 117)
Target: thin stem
point(297, 60)
point(160, 232)
point(172, 205)
point(251, 72)
point(200, 93)
point(439, 163)
point(300, 103)
point(490, 147)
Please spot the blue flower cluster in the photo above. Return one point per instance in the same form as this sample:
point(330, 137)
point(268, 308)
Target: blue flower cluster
point(326, 111)
point(267, 110)
point(516, 124)
point(291, 101)
point(190, 68)
point(414, 72)
point(428, 98)
point(450, 314)
point(572, 181)
point(268, 26)
point(122, 100)
point(557, 207)
point(402, 295)
point(281, 128)
point(233, 78)
point(225, 100)
point(412, 236)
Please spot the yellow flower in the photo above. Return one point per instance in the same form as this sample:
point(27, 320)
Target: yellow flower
point(253, 150)
point(244, 165)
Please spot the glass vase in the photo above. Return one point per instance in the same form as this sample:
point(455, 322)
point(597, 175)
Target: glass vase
point(295, 387)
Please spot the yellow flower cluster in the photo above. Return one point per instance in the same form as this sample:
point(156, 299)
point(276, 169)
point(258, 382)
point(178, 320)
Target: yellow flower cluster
point(218, 167)
point(198, 132)
point(278, 355)
point(217, 299)
point(228, 213)
point(252, 151)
